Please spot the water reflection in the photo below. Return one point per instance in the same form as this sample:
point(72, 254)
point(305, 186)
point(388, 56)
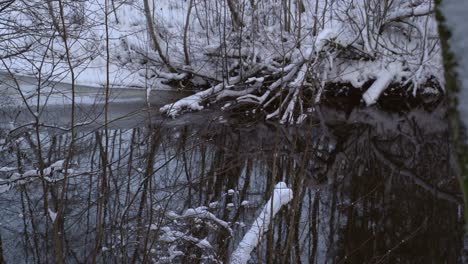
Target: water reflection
point(369, 187)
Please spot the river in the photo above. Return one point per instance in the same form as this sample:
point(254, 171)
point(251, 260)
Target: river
point(370, 185)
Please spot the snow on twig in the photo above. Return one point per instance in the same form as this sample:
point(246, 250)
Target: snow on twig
point(19, 179)
point(170, 236)
point(324, 37)
point(421, 10)
point(52, 214)
point(201, 212)
point(385, 78)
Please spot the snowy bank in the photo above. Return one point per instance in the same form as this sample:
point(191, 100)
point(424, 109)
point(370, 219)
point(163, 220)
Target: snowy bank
point(273, 57)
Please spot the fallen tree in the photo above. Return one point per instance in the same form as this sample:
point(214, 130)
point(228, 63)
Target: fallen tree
point(370, 45)
point(277, 57)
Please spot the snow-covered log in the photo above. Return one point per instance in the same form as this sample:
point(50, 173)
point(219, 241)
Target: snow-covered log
point(377, 88)
point(282, 195)
point(420, 10)
point(195, 101)
point(350, 41)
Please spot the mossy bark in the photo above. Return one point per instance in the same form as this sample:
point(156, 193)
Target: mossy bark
point(457, 128)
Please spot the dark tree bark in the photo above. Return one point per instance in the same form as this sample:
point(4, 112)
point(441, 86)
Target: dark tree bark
point(237, 20)
point(154, 38)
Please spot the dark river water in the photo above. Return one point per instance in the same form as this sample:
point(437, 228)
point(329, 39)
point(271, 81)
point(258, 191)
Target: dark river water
point(370, 186)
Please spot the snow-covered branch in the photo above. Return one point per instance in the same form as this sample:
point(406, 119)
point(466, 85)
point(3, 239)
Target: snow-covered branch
point(282, 195)
point(202, 213)
point(19, 179)
point(420, 10)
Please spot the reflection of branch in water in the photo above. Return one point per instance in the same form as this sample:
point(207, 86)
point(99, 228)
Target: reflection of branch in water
point(423, 225)
point(404, 172)
point(387, 254)
point(344, 216)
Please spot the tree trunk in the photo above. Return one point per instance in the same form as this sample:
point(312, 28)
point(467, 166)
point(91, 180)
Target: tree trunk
point(453, 86)
point(235, 16)
point(187, 24)
point(1, 250)
point(154, 38)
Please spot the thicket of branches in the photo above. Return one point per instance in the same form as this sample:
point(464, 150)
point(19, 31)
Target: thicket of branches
point(188, 194)
point(277, 56)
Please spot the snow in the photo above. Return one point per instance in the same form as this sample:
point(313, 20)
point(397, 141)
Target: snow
point(245, 203)
point(213, 205)
point(170, 236)
point(52, 214)
point(30, 175)
point(192, 102)
point(172, 215)
point(255, 79)
point(7, 169)
point(282, 195)
point(420, 10)
point(173, 253)
point(204, 244)
point(377, 88)
point(134, 63)
point(324, 37)
point(57, 165)
point(201, 212)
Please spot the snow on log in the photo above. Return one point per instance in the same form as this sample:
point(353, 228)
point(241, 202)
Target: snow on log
point(192, 102)
point(170, 76)
point(421, 10)
point(281, 195)
point(324, 37)
point(373, 93)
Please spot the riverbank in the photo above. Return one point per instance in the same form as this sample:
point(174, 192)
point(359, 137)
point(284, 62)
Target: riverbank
point(279, 62)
